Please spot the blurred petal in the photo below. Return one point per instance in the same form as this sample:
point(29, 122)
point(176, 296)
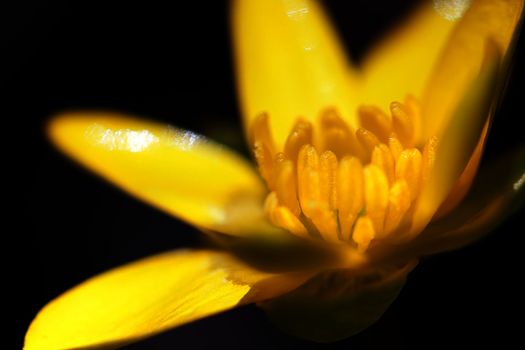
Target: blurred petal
point(289, 63)
point(401, 64)
point(460, 189)
point(287, 252)
point(177, 171)
point(463, 57)
point(146, 297)
point(498, 191)
point(459, 140)
point(337, 304)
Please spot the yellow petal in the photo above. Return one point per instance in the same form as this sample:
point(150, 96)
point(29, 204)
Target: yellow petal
point(289, 63)
point(402, 63)
point(459, 140)
point(177, 171)
point(463, 56)
point(146, 297)
point(462, 186)
point(498, 191)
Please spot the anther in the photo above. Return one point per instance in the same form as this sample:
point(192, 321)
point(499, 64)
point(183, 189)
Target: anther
point(408, 168)
point(344, 185)
point(301, 135)
point(285, 186)
point(376, 196)
point(375, 120)
point(350, 193)
point(403, 125)
point(398, 204)
point(368, 140)
point(363, 233)
point(260, 132)
point(382, 157)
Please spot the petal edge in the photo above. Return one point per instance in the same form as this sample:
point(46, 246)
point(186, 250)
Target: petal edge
point(177, 171)
point(149, 296)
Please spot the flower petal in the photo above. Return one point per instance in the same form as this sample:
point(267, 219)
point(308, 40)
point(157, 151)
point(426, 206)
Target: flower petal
point(401, 64)
point(177, 171)
point(463, 56)
point(289, 63)
point(337, 304)
point(459, 140)
point(497, 192)
point(462, 185)
point(146, 297)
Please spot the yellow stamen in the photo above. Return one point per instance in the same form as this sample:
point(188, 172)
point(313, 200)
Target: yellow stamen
point(376, 196)
point(286, 187)
point(398, 204)
point(270, 205)
point(383, 158)
point(338, 137)
point(403, 125)
point(375, 120)
point(301, 135)
point(368, 140)
point(395, 147)
point(350, 192)
point(363, 233)
point(308, 179)
point(284, 218)
point(408, 168)
point(344, 185)
point(261, 132)
point(328, 178)
point(265, 161)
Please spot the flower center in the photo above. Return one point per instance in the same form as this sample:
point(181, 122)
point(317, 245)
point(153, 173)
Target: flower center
point(344, 185)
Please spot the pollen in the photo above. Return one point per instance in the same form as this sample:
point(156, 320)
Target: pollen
point(340, 184)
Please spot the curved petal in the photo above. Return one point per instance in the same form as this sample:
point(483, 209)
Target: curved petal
point(177, 171)
point(459, 140)
point(462, 185)
point(289, 63)
point(401, 64)
point(149, 296)
point(463, 57)
point(497, 192)
point(337, 304)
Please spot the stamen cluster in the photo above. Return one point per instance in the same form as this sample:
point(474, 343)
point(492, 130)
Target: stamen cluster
point(343, 185)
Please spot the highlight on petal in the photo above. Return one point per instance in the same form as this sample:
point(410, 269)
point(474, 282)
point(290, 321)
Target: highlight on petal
point(459, 140)
point(402, 63)
point(289, 63)
point(149, 296)
point(177, 171)
point(462, 58)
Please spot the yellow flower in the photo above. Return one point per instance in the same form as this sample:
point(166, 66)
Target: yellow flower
point(365, 170)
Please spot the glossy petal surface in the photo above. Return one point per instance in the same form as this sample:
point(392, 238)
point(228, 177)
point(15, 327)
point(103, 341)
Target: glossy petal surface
point(402, 63)
point(459, 140)
point(177, 171)
point(463, 56)
point(289, 63)
point(147, 297)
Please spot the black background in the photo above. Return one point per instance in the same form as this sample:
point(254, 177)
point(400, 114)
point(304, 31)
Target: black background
point(173, 63)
